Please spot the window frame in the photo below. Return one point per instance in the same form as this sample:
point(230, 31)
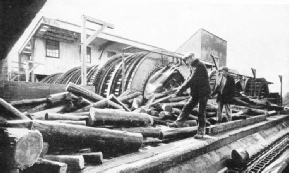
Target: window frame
point(46, 49)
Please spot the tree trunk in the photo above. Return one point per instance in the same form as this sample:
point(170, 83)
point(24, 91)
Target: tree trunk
point(20, 148)
point(178, 133)
point(74, 162)
point(9, 112)
point(65, 135)
point(104, 103)
point(80, 91)
point(71, 117)
point(118, 118)
point(47, 166)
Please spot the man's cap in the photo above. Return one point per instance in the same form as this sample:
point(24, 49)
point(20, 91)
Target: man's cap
point(225, 68)
point(188, 55)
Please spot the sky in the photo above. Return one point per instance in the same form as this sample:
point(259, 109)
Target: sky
point(257, 32)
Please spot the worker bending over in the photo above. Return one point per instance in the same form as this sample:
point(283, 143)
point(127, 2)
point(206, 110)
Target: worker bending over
point(198, 82)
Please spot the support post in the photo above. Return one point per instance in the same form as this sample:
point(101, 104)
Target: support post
point(32, 44)
point(123, 73)
point(83, 51)
point(281, 99)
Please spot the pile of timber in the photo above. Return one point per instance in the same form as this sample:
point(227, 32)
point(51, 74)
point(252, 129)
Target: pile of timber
point(77, 127)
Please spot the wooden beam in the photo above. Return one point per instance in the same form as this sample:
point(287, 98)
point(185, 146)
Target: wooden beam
point(100, 22)
point(95, 34)
point(83, 51)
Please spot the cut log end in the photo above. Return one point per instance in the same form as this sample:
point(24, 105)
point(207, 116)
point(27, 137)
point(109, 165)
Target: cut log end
point(24, 147)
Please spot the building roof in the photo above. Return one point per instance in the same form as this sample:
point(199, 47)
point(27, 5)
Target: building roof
point(70, 32)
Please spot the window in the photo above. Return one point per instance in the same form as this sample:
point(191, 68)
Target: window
point(110, 54)
point(88, 54)
point(52, 48)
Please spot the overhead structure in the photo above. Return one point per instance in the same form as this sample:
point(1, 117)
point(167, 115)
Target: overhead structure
point(86, 41)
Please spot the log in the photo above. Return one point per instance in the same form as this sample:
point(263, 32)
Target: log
point(157, 120)
point(104, 103)
point(69, 107)
point(125, 99)
point(137, 102)
point(44, 149)
point(114, 99)
point(9, 112)
point(20, 148)
point(74, 162)
point(167, 115)
point(167, 108)
point(178, 133)
point(153, 112)
point(178, 99)
point(56, 99)
point(38, 108)
point(41, 114)
point(176, 111)
point(28, 102)
point(80, 123)
point(240, 102)
point(82, 102)
point(71, 117)
point(119, 118)
point(65, 135)
point(165, 93)
point(80, 91)
point(145, 131)
point(71, 97)
point(175, 104)
point(47, 166)
point(211, 114)
point(94, 158)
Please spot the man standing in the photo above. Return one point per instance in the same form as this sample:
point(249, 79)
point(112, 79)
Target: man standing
point(198, 82)
point(238, 84)
point(226, 90)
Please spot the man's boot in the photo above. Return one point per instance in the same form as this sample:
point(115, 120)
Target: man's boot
point(200, 133)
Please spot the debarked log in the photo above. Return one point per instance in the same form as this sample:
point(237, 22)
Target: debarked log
point(177, 133)
point(20, 148)
point(46, 166)
point(80, 91)
point(145, 131)
point(71, 117)
point(117, 101)
point(41, 114)
point(118, 118)
point(9, 112)
point(65, 135)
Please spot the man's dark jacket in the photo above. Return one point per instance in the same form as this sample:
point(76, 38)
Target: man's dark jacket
point(198, 81)
point(228, 91)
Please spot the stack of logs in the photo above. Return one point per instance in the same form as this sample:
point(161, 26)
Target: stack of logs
point(68, 130)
